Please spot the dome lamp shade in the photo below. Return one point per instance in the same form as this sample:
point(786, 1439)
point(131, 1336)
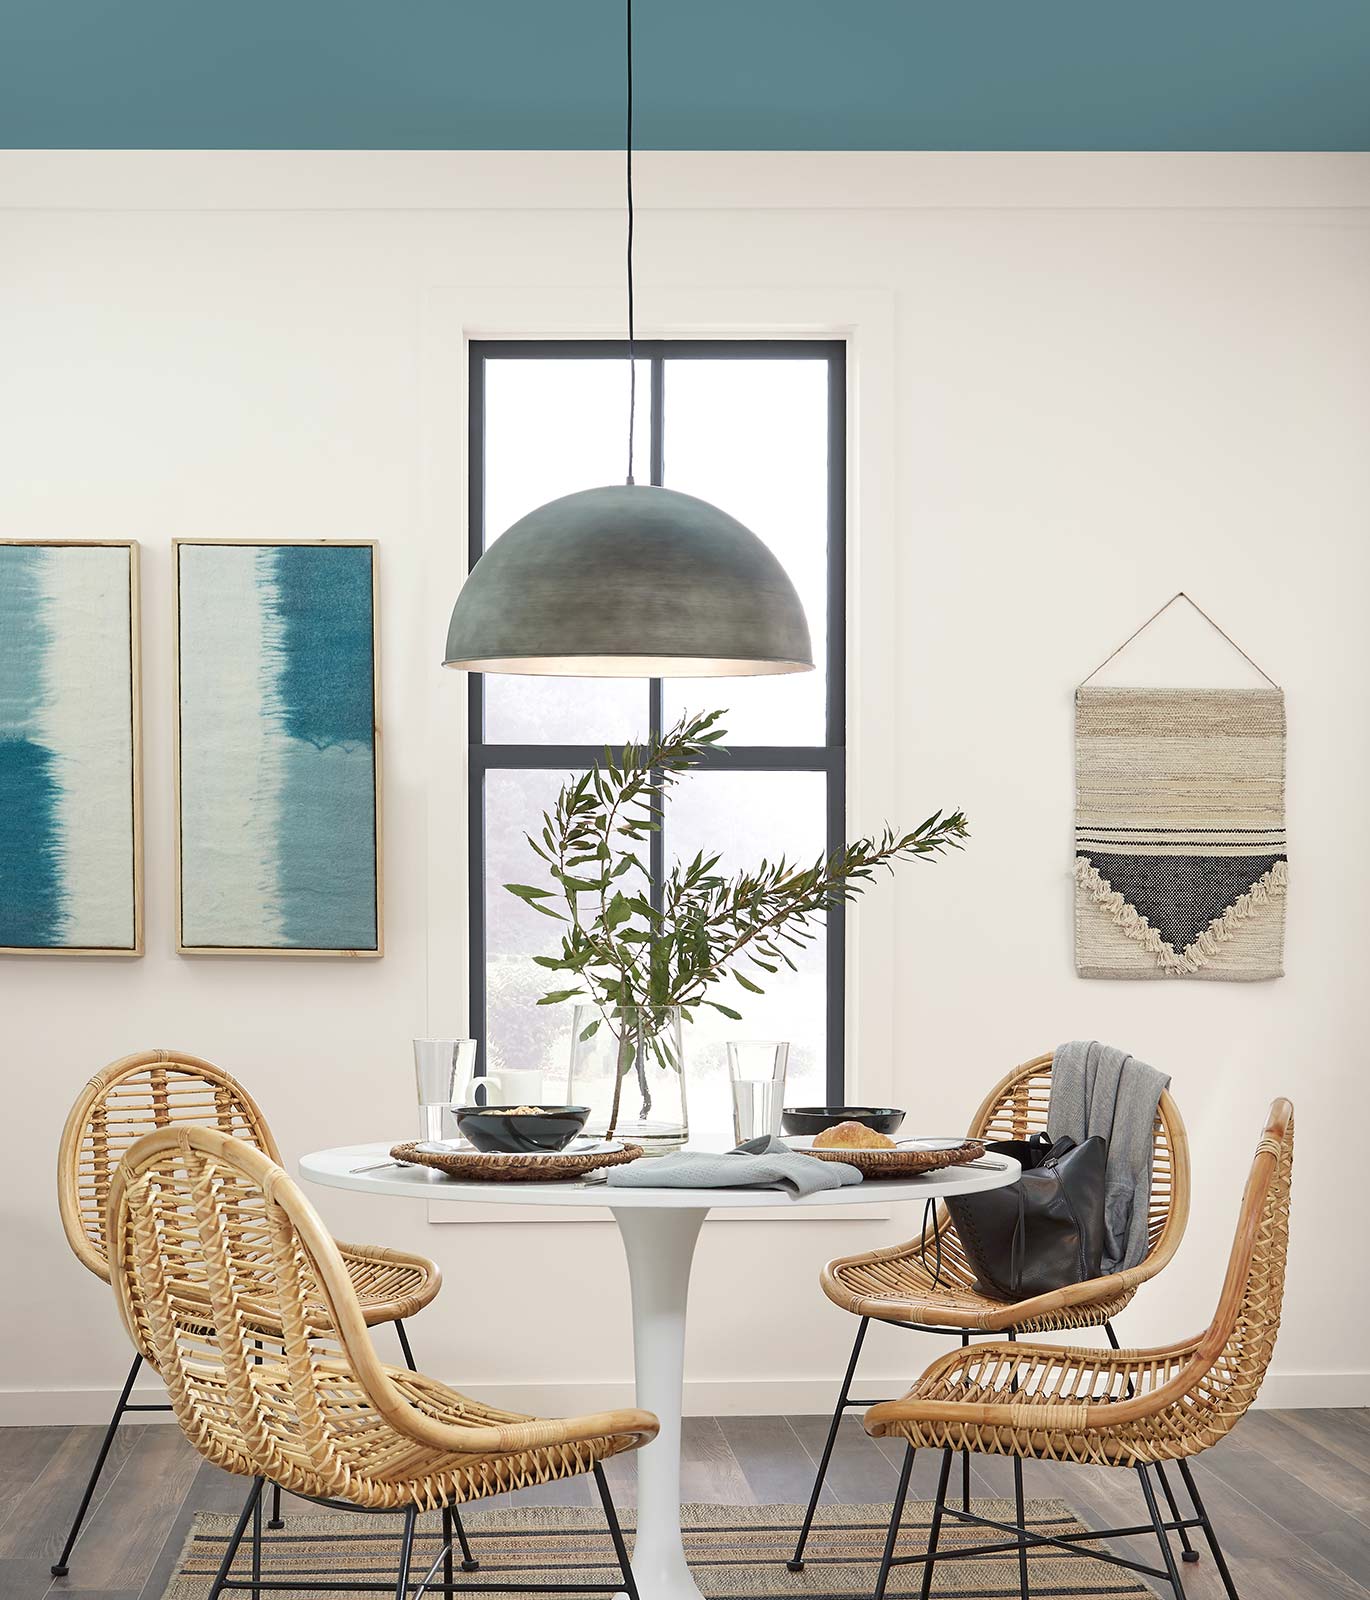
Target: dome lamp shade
point(629, 581)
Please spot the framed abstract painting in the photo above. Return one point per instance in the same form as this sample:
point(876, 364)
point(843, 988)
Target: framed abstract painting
point(277, 748)
point(70, 749)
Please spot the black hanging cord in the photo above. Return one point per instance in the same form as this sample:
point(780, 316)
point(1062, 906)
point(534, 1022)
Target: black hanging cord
point(628, 143)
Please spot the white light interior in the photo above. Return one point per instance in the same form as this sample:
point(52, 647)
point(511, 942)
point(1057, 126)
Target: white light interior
point(630, 667)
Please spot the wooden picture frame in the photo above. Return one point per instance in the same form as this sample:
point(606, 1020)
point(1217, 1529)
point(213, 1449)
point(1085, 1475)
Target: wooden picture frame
point(309, 882)
point(64, 735)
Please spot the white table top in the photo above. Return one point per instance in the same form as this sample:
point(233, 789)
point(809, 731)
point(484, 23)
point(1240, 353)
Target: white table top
point(338, 1170)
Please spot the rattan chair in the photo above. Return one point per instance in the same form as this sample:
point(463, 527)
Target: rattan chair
point(1123, 1408)
point(165, 1088)
point(929, 1286)
point(230, 1286)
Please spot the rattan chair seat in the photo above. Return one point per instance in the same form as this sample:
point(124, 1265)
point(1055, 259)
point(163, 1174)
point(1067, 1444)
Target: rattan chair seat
point(896, 1286)
point(908, 1283)
point(375, 1466)
point(391, 1284)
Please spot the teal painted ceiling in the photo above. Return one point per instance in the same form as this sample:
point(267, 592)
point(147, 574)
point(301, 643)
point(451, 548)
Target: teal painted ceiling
point(712, 74)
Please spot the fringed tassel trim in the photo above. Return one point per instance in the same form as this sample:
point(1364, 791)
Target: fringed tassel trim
point(1269, 886)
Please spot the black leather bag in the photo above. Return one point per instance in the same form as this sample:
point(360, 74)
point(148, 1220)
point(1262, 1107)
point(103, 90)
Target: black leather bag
point(1043, 1232)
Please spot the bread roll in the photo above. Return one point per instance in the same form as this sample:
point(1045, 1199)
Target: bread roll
point(852, 1136)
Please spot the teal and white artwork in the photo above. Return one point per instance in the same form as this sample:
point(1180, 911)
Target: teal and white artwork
point(69, 777)
point(277, 771)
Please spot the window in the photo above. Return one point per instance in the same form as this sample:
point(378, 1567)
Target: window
point(759, 429)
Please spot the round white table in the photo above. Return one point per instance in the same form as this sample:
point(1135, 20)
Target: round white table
point(659, 1228)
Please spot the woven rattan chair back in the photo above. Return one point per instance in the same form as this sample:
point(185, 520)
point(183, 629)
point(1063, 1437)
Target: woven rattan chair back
point(220, 1255)
point(218, 1252)
point(122, 1102)
point(1241, 1337)
point(1017, 1108)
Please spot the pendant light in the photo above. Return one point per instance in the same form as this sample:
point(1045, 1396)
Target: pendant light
point(628, 580)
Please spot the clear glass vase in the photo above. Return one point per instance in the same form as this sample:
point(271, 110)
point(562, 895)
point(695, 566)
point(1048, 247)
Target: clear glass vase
point(628, 1066)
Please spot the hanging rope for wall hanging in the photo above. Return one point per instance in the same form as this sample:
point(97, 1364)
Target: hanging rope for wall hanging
point(1178, 595)
point(632, 325)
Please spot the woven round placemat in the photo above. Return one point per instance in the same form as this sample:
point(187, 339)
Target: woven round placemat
point(901, 1163)
point(477, 1167)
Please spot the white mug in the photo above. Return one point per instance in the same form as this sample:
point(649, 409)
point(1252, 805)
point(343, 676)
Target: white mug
point(521, 1086)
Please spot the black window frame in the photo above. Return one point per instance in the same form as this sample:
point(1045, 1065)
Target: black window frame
point(829, 758)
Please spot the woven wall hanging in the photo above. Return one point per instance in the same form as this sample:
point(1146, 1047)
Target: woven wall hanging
point(1180, 861)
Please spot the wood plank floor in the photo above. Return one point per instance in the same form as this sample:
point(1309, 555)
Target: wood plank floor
point(1289, 1492)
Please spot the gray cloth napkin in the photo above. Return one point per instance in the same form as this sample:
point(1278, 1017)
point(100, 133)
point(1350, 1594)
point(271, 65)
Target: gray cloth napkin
point(1098, 1089)
point(758, 1164)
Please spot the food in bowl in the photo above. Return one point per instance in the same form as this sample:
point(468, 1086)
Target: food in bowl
point(797, 1120)
point(852, 1136)
point(521, 1130)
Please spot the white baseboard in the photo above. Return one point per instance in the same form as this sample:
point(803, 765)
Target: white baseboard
point(703, 1397)
point(1308, 1391)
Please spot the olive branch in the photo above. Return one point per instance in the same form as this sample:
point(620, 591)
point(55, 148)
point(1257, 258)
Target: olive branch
point(621, 950)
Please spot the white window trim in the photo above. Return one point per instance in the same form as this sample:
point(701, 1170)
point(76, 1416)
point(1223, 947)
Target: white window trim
point(455, 314)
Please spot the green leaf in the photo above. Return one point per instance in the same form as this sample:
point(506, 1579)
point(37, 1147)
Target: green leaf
point(589, 1032)
point(727, 1011)
point(578, 885)
point(618, 911)
point(748, 984)
point(558, 995)
point(525, 891)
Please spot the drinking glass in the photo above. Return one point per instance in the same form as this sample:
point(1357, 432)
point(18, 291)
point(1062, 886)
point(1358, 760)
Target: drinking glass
point(756, 1069)
point(442, 1068)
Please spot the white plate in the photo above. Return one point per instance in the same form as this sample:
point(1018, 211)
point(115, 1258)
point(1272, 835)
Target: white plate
point(805, 1142)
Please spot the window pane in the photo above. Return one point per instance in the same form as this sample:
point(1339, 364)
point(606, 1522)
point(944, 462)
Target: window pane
point(552, 427)
point(748, 816)
point(519, 1032)
point(752, 437)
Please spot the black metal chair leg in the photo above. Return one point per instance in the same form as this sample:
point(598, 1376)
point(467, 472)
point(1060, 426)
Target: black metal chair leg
point(404, 1345)
point(965, 1454)
point(796, 1561)
point(257, 1548)
point(1022, 1523)
point(411, 1516)
point(615, 1533)
point(1018, 1499)
point(1189, 1552)
point(901, 1494)
point(275, 1520)
point(254, 1499)
point(1162, 1538)
point(59, 1570)
point(1219, 1560)
point(468, 1561)
point(935, 1530)
point(447, 1564)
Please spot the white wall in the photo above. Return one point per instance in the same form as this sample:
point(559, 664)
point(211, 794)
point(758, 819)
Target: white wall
point(1081, 384)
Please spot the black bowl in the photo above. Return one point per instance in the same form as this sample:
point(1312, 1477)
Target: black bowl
point(797, 1120)
point(513, 1132)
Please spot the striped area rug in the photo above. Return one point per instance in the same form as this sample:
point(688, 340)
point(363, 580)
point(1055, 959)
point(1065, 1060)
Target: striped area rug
point(736, 1552)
